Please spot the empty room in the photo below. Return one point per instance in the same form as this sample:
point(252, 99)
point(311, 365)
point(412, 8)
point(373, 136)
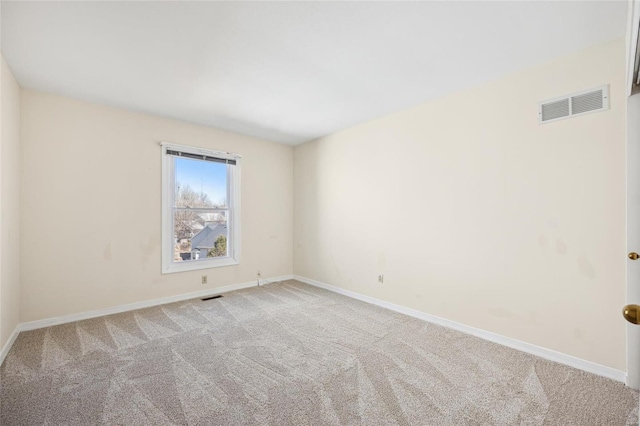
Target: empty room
point(319, 213)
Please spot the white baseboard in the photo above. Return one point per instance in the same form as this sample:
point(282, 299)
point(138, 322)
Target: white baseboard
point(7, 346)
point(33, 325)
point(545, 353)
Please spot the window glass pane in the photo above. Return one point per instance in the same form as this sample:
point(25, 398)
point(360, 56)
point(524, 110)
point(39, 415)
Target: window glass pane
point(200, 183)
point(200, 235)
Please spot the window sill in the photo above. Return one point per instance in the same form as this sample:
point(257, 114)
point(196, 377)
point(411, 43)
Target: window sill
point(196, 265)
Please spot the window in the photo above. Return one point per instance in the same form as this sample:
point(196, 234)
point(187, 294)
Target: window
point(200, 208)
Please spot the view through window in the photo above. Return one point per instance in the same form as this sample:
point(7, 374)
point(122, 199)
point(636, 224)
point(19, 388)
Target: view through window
point(200, 210)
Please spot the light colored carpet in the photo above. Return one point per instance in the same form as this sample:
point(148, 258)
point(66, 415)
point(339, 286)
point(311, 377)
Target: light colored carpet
point(289, 353)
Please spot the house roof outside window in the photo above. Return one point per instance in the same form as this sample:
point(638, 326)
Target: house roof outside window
point(206, 238)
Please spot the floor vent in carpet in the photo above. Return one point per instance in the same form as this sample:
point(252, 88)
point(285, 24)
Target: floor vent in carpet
point(212, 297)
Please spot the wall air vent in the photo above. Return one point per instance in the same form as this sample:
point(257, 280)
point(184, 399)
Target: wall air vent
point(585, 102)
point(554, 110)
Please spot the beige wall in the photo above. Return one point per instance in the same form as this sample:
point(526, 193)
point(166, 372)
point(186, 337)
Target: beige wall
point(9, 202)
point(476, 213)
point(91, 188)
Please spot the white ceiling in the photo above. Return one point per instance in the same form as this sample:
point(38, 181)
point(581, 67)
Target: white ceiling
point(287, 71)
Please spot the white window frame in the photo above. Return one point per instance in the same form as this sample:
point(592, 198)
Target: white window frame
point(168, 194)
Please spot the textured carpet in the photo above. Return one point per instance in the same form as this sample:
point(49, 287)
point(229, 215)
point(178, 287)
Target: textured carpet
point(289, 353)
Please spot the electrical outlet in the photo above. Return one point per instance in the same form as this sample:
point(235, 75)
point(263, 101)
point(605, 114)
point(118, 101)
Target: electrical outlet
point(381, 278)
point(204, 279)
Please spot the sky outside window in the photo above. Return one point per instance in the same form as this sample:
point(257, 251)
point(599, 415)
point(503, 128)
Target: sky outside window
point(203, 176)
